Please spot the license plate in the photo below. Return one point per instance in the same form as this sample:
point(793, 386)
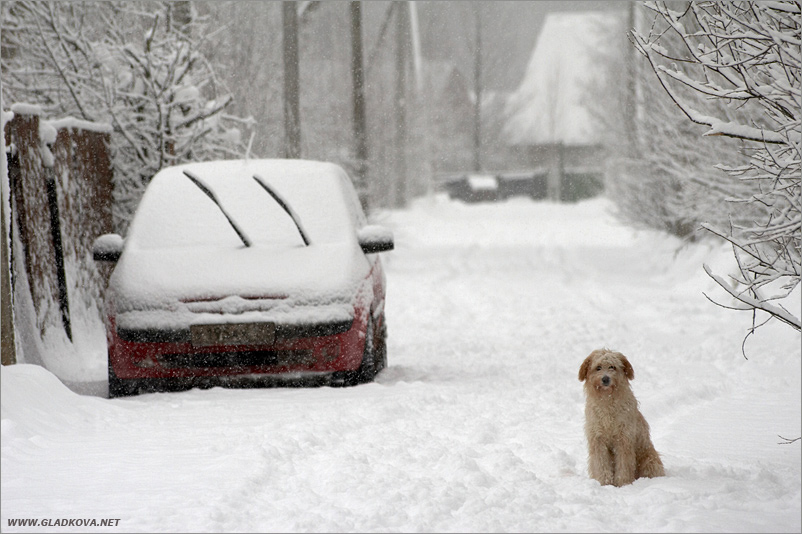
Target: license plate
point(205, 335)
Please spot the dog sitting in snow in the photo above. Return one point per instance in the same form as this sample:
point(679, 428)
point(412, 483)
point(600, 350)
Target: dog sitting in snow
point(619, 447)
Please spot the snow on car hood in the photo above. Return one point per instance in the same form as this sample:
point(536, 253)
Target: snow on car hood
point(173, 289)
point(183, 263)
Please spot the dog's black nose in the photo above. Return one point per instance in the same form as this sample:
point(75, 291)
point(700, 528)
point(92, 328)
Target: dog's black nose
point(606, 380)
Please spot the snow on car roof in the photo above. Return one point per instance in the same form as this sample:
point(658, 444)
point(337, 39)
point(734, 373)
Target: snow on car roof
point(181, 247)
point(174, 212)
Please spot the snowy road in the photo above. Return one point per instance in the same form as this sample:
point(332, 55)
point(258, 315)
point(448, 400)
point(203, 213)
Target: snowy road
point(476, 425)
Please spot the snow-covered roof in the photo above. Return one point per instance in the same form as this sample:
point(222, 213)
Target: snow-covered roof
point(548, 105)
point(482, 182)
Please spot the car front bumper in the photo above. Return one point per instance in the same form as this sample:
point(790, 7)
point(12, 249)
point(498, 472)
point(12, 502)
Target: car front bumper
point(289, 349)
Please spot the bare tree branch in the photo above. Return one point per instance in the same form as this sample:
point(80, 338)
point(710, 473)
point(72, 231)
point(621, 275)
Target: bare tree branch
point(119, 63)
point(746, 54)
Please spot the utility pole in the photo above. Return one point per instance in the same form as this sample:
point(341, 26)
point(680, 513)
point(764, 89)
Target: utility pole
point(292, 117)
point(477, 89)
point(360, 123)
point(631, 118)
point(399, 105)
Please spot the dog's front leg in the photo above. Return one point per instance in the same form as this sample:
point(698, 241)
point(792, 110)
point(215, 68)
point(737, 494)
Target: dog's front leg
point(626, 464)
point(600, 461)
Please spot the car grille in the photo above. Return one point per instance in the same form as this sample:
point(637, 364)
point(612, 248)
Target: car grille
point(283, 331)
point(238, 359)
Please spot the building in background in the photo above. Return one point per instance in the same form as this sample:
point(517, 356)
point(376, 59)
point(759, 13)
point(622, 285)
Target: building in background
point(549, 128)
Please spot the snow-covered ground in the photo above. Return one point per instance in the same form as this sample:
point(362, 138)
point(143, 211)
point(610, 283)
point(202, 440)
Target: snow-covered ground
point(476, 425)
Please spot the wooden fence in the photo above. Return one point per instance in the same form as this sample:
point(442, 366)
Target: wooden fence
point(60, 180)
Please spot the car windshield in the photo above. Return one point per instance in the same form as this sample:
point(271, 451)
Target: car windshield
point(175, 212)
point(284, 205)
point(209, 193)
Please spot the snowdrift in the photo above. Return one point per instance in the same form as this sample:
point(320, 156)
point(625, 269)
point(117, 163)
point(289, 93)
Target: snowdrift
point(475, 426)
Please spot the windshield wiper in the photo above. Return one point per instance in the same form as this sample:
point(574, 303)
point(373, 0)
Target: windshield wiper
point(197, 181)
point(283, 203)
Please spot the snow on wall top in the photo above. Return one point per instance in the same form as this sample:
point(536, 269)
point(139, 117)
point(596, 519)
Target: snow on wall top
point(78, 124)
point(548, 105)
point(58, 124)
point(26, 109)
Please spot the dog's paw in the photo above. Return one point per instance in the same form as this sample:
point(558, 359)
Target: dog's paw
point(619, 481)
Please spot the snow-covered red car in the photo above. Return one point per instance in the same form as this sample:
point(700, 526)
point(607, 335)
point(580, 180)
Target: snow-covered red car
point(237, 270)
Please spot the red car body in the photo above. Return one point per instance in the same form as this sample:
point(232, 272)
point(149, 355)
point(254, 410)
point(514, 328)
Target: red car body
point(217, 283)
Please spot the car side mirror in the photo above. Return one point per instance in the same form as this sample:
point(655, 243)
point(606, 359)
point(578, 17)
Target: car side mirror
point(373, 239)
point(107, 247)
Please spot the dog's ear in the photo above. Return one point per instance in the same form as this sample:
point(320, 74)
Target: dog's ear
point(629, 372)
point(583, 369)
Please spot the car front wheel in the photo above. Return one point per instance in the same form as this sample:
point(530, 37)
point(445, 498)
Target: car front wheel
point(119, 387)
point(380, 347)
point(367, 369)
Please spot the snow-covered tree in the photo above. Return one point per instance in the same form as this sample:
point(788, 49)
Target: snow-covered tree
point(746, 55)
point(135, 65)
point(661, 173)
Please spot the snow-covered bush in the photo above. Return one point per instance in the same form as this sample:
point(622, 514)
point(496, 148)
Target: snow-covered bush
point(134, 65)
point(747, 56)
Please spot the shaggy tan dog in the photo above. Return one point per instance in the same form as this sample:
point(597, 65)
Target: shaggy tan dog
point(619, 447)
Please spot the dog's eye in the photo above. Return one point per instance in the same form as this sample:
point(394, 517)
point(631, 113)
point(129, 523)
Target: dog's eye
point(598, 367)
point(612, 368)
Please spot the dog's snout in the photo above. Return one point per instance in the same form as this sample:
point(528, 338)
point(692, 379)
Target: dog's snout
point(606, 380)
